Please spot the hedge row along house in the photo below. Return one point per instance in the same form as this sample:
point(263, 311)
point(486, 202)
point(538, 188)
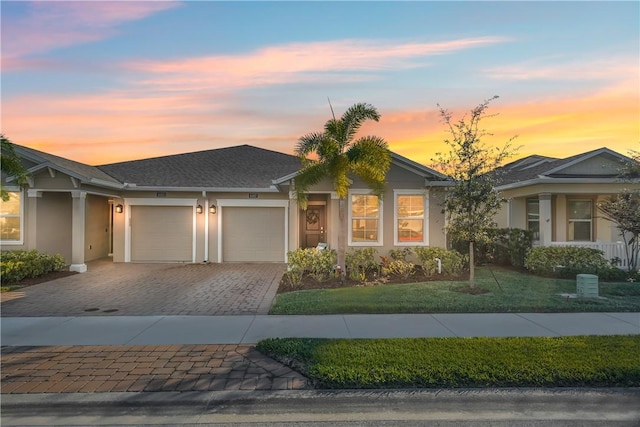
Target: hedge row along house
point(236, 204)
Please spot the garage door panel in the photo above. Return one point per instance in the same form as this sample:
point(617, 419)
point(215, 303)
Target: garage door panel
point(162, 233)
point(253, 234)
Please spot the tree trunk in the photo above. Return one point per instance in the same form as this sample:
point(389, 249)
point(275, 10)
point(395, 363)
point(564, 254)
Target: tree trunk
point(342, 237)
point(472, 267)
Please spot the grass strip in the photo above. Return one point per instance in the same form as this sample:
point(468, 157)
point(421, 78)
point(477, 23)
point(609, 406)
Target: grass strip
point(579, 361)
point(508, 291)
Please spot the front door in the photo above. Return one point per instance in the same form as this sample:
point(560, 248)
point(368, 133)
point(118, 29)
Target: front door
point(313, 226)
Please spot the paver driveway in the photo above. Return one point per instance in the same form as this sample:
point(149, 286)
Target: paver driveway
point(125, 289)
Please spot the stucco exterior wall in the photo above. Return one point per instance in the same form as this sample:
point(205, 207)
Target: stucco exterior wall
point(97, 230)
point(53, 224)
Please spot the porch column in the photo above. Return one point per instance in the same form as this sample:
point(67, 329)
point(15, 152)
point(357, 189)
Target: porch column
point(545, 218)
point(32, 218)
point(294, 222)
point(78, 231)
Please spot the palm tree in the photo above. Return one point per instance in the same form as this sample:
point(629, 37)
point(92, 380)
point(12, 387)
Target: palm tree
point(338, 155)
point(10, 165)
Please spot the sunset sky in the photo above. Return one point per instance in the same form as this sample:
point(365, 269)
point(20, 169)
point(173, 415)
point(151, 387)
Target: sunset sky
point(102, 82)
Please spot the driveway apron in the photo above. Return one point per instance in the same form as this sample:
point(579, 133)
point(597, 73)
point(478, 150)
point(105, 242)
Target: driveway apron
point(127, 289)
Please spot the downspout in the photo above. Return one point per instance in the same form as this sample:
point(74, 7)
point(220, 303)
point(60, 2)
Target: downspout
point(206, 226)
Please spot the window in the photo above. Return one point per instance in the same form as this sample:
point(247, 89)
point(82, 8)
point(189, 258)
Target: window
point(11, 218)
point(580, 220)
point(533, 217)
point(410, 218)
point(365, 219)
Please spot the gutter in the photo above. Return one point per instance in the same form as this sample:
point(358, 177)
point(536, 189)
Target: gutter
point(545, 180)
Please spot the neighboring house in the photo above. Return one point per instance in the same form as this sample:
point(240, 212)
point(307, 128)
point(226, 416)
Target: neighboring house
point(226, 205)
point(557, 198)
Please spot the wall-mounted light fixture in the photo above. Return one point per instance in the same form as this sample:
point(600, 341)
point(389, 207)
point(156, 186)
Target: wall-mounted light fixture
point(119, 208)
point(213, 209)
point(199, 209)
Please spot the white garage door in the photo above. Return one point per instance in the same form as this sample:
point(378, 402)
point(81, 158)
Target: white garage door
point(162, 233)
point(253, 234)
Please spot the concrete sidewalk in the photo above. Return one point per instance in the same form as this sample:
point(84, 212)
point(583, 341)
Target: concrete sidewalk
point(166, 330)
point(138, 354)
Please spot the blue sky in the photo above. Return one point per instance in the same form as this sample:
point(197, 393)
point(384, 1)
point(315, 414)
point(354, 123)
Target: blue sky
point(101, 82)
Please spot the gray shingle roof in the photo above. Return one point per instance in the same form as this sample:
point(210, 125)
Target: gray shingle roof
point(80, 170)
point(241, 167)
point(535, 166)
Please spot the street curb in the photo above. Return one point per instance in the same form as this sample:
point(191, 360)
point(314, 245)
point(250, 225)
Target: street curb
point(211, 398)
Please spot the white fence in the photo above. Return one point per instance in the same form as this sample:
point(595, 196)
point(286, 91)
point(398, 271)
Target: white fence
point(611, 250)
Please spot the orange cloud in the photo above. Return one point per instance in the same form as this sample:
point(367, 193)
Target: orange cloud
point(554, 127)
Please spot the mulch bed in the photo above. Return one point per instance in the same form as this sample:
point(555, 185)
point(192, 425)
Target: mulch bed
point(40, 279)
point(309, 283)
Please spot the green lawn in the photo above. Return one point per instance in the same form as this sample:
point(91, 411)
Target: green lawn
point(584, 361)
point(509, 291)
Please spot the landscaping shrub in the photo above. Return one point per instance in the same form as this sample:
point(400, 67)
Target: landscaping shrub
point(453, 262)
point(397, 267)
point(504, 246)
point(19, 264)
point(360, 262)
point(318, 264)
point(567, 261)
point(578, 361)
point(400, 254)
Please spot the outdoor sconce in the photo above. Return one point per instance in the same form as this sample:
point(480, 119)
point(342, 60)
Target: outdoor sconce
point(212, 209)
point(199, 209)
point(119, 208)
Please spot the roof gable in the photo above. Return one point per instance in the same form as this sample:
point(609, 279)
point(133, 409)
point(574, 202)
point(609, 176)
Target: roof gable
point(35, 160)
point(397, 160)
point(600, 163)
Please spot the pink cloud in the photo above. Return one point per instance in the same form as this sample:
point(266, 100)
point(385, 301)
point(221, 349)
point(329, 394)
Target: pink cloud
point(296, 62)
point(51, 25)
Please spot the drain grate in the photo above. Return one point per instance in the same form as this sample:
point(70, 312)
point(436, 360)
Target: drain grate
point(109, 310)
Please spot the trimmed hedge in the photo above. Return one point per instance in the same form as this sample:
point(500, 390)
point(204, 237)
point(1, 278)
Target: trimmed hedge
point(580, 361)
point(18, 265)
point(567, 261)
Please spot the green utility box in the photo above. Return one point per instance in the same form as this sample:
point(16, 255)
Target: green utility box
point(587, 286)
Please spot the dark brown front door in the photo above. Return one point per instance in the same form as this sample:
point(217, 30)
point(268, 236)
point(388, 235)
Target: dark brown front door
point(313, 226)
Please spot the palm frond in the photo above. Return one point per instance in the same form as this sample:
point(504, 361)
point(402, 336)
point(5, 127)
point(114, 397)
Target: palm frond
point(10, 165)
point(308, 143)
point(310, 174)
point(355, 116)
point(339, 172)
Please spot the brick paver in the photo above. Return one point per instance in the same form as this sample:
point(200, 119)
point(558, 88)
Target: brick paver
point(95, 369)
point(126, 289)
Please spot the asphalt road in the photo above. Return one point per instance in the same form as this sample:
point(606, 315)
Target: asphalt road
point(464, 407)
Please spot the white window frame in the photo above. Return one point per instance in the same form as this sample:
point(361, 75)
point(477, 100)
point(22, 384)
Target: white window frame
point(526, 208)
point(590, 221)
point(425, 217)
point(380, 240)
point(22, 200)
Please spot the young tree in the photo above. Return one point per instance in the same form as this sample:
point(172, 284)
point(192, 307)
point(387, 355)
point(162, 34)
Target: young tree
point(623, 210)
point(10, 165)
point(471, 204)
point(339, 154)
